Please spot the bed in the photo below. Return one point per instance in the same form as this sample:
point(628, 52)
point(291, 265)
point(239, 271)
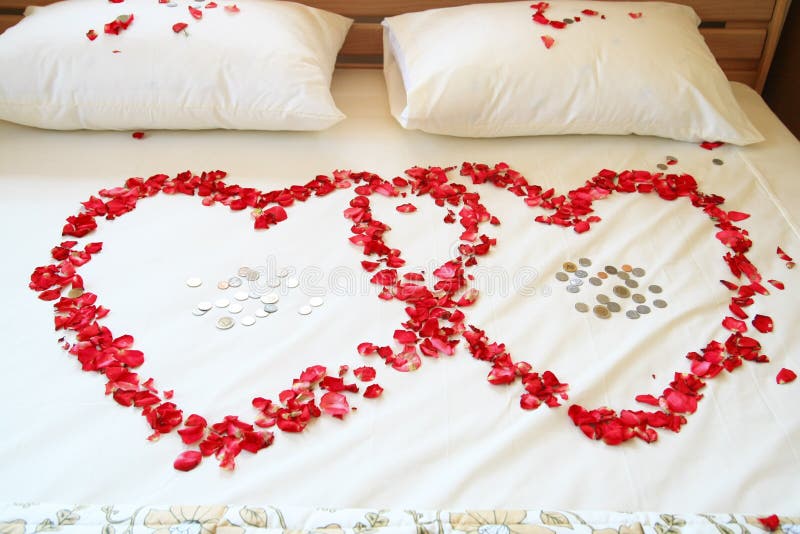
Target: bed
point(440, 448)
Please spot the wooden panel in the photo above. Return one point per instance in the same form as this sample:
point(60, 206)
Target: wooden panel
point(6, 21)
point(707, 9)
point(364, 39)
point(742, 44)
point(745, 77)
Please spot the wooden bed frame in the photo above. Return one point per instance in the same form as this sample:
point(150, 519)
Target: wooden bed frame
point(742, 34)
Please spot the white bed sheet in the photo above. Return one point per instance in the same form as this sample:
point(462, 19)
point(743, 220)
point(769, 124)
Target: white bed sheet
point(440, 437)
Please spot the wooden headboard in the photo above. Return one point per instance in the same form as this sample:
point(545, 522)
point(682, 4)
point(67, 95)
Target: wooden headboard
point(742, 34)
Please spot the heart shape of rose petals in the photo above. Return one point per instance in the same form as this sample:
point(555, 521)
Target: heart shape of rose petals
point(434, 303)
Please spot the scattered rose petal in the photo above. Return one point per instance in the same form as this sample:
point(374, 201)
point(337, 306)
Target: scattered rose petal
point(636, 15)
point(365, 374)
point(334, 404)
point(179, 27)
point(777, 284)
point(772, 523)
point(196, 13)
point(211, 5)
point(548, 41)
point(188, 460)
point(785, 376)
point(137, 135)
point(406, 208)
point(91, 35)
point(711, 145)
point(782, 255)
point(373, 391)
point(232, 8)
point(763, 323)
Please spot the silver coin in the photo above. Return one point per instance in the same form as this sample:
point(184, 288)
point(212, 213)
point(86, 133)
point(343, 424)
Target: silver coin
point(261, 313)
point(568, 21)
point(234, 281)
point(632, 314)
point(244, 271)
point(292, 282)
point(240, 295)
point(603, 299)
point(633, 284)
point(255, 295)
point(194, 282)
point(235, 308)
point(270, 298)
point(224, 323)
point(662, 167)
point(171, 4)
point(717, 161)
point(614, 307)
point(198, 312)
point(658, 303)
point(205, 306)
point(562, 277)
point(274, 283)
point(270, 308)
point(221, 303)
point(638, 272)
point(638, 298)
point(643, 309)
point(581, 307)
point(283, 273)
point(253, 276)
point(573, 289)
point(247, 320)
point(581, 273)
point(304, 310)
point(655, 289)
point(622, 275)
point(595, 281)
point(576, 282)
point(622, 292)
point(610, 269)
point(585, 262)
point(316, 302)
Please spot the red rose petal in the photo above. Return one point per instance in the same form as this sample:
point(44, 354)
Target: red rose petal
point(734, 325)
point(406, 208)
point(188, 460)
point(365, 374)
point(373, 391)
point(138, 135)
point(785, 376)
point(782, 255)
point(711, 145)
point(772, 523)
point(777, 284)
point(637, 15)
point(589, 12)
point(179, 27)
point(232, 9)
point(91, 35)
point(763, 323)
point(211, 5)
point(334, 404)
point(548, 41)
point(196, 13)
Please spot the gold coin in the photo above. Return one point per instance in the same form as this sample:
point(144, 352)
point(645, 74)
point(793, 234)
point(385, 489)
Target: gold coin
point(601, 312)
point(627, 268)
point(602, 274)
point(569, 267)
point(622, 292)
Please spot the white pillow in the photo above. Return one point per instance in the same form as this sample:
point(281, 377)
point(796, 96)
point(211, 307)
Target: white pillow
point(483, 70)
point(266, 67)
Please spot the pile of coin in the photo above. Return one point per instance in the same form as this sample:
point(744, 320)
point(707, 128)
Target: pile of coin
point(266, 300)
point(626, 287)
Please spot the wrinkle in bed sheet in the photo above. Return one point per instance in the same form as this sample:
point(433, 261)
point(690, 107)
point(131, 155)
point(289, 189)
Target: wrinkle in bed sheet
point(439, 437)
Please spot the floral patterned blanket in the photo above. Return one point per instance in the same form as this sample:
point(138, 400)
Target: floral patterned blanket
point(114, 519)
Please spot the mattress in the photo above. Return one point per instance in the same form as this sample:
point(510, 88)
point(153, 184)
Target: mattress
point(440, 438)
